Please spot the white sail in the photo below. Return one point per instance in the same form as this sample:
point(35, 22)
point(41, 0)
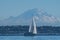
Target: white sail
point(32, 27)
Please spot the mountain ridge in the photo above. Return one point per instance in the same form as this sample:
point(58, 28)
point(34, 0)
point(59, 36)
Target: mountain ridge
point(42, 18)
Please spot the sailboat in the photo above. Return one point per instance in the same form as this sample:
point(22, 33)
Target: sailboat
point(32, 29)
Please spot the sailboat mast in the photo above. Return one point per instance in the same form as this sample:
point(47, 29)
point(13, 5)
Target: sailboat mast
point(32, 27)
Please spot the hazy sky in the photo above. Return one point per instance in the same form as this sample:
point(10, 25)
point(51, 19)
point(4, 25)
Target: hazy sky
point(16, 7)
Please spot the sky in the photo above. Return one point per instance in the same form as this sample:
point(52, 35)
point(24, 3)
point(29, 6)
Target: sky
point(17, 7)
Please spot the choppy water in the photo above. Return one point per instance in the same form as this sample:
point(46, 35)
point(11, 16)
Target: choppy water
point(30, 38)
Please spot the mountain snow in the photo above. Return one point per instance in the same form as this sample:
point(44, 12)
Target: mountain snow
point(42, 18)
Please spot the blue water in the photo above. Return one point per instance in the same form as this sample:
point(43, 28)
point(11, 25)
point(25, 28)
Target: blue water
point(30, 38)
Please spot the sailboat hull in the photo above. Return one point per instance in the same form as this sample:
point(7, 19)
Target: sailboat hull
point(29, 34)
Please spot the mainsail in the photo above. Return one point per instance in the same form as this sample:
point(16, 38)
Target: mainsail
point(32, 28)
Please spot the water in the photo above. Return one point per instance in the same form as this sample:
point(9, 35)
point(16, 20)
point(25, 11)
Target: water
point(30, 38)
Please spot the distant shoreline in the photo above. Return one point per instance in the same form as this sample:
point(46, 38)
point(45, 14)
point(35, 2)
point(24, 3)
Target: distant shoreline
point(20, 30)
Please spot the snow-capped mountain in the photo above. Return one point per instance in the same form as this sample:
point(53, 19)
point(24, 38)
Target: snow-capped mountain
point(41, 17)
